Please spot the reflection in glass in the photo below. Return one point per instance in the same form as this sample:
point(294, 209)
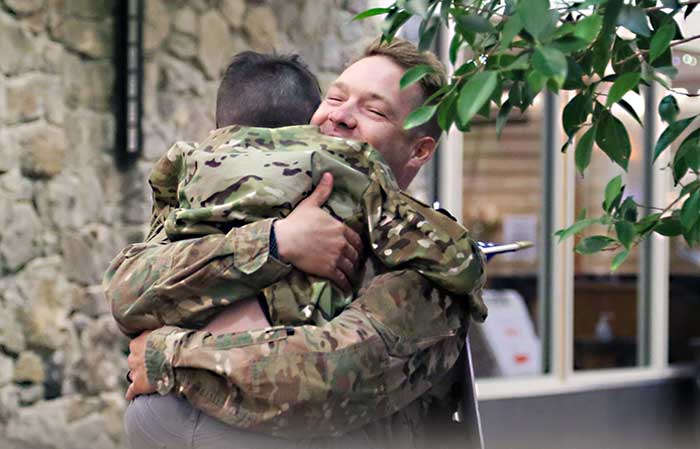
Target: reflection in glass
point(502, 202)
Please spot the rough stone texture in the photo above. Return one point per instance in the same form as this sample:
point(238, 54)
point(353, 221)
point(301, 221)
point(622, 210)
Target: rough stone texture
point(233, 11)
point(65, 209)
point(156, 24)
point(29, 368)
point(6, 369)
point(214, 45)
point(42, 150)
point(260, 24)
point(24, 6)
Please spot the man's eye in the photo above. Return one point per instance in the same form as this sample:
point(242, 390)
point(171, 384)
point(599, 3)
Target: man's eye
point(377, 113)
point(334, 99)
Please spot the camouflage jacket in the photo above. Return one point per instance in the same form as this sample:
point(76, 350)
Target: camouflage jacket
point(180, 283)
point(391, 351)
point(242, 175)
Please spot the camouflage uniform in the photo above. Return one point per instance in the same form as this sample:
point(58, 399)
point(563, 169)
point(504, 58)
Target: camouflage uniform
point(384, 351)
point(241, 175)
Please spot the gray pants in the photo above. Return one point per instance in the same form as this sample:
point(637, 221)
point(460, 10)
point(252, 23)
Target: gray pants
point(169, 422)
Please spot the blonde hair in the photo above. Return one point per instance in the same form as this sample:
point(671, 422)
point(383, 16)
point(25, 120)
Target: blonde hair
point(406, 54)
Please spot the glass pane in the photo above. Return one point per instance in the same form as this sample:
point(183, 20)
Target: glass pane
point(606, 304)
point(684, 292)
point(502, 202)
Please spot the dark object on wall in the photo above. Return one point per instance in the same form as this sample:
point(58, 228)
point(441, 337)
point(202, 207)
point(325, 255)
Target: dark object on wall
point(128, 84)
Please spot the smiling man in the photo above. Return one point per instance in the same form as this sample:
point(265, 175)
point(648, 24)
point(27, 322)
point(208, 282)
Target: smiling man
point(377, 362)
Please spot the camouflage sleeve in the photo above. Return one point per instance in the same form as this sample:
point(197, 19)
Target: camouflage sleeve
point(157, 283)
point(405, 233)
point(389, 347)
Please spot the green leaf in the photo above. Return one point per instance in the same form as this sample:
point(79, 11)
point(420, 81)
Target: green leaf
point(630, 110)
point(680, 168)
point(623, 84)
point(447, 110)
point(669, 226)
point(661, 40)
point(627, 210)
point(512, 28)
point(634, 19)
point(414, 74)
point(371, 12)
point(569, 44)
point(503, 117)
point(589, 27)
point(619, 259)
point(575, 228)
point(536, 19)
point(647, 223)
point(575, 113)
point(670, 134)
point(690, 150)
point(611, 136)
point(593, 244)
point(584, 148)
point(474, 23)
point(668, 109)
point(426, 39)
point(601, 54)
point(690, 212)
point(690, 188)
point(612, 192)
point(419, 116)
point(392, 22)
point(625, 233)
point(455, 46)
point(551, 63)
point(623, 58)
point(474, 94)
point(536, 81)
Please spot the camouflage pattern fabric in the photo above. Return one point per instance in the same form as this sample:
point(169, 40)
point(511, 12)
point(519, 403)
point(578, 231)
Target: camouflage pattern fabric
point(399, 339)
point(242, 175)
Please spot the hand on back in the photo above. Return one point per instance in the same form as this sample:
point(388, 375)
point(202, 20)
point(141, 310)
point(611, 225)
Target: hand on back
point(314, 242)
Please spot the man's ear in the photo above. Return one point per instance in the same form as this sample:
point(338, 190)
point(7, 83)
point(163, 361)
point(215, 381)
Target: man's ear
point(423, 149)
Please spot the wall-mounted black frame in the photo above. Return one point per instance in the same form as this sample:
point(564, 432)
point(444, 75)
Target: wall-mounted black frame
point(128, 87)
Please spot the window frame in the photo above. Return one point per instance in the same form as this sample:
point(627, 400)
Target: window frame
point(556, 273)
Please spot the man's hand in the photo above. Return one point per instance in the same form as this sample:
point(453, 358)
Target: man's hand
point(137, 367)
point(315, 242)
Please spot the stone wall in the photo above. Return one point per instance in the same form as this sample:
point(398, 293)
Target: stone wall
point(65, 208)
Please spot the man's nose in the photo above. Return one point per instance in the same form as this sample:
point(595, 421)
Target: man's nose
point(343, 117)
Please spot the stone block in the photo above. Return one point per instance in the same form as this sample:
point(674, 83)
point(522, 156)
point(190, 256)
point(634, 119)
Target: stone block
point(156, 25)
point(48, 295)
point(185, 21)
point(43, 150)
point(72, 200)
point(214, 44)
point(43, 424)
point(260, 25)
point(179, 76)
point(182, 45)
point(34, 96)
point(233, 11)
point(88, 9)
point(90, 249)
point(313, 19)
point(89, 38)
point(16, 47)
point(29, 368)
point(11, 334)
point(21, 235)
point(30, 394)
point(9, 402)
point(3, 100)
point(7, 369)
point(24, 7)
point(15, 187)
point(88, 134)
point(88, 83)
